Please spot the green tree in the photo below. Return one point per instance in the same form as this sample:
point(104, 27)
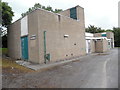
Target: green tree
point(43, 7)
point(116, 32)
point(58, 10)
point(6, 19)
point(109, 30)
point(91, 29)
point(7, 14)
point(30, 10)
point(49, 8)
point(37, 6)
point(94, 29)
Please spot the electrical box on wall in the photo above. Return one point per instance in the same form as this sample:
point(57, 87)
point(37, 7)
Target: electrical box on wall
point(48, 56)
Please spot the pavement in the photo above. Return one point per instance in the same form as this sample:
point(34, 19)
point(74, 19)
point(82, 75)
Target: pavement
point(91, 71)
point(40, 67)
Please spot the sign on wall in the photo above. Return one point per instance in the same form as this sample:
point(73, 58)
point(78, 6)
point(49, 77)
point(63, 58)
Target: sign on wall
point(24, 26)
point(33, 37)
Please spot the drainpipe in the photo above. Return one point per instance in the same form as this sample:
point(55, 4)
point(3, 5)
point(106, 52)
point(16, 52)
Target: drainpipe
point(44, 46)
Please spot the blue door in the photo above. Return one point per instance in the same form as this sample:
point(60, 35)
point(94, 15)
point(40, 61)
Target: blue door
point(24, 46)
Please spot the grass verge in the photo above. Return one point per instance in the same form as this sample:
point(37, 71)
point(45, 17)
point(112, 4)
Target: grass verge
point(11, 67)
point(3, 50)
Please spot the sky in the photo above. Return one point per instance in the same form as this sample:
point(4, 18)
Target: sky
point(101, 13)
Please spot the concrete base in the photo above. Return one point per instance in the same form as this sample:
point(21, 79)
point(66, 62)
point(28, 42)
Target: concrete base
point(41, 67)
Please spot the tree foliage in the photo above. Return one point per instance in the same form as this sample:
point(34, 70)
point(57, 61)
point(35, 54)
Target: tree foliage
point(39, 6)
point(116, 32)
point(7, 14)
point(58, 10)
point(94, 29)
point(6, 20)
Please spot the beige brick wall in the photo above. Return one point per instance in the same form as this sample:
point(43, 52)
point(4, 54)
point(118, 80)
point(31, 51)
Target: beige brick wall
point(110, 35)
point(33, 46)
point(101, 46)
point(65, 13)
point(97, 35)
point(56, 27)
point(14, 41)
point(105, 45)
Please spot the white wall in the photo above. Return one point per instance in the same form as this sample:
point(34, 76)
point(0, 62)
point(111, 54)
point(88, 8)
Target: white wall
point(24, 26)
point(87, 46)
point(88, 34)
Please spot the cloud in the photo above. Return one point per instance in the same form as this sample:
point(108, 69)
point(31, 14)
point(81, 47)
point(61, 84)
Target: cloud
point(103, 13)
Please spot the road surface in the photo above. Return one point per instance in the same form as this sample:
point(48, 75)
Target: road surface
point(91, 71)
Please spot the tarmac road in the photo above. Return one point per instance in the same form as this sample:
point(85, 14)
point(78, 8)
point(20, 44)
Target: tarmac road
point(92, 71)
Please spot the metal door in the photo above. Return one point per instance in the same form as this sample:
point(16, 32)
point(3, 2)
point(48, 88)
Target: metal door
point(24, 46)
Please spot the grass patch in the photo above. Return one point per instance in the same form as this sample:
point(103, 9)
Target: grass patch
point(3, 50)
point(10, 64)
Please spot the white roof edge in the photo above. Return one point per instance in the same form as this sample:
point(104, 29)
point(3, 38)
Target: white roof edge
point(103, 33)
point(96, 38)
